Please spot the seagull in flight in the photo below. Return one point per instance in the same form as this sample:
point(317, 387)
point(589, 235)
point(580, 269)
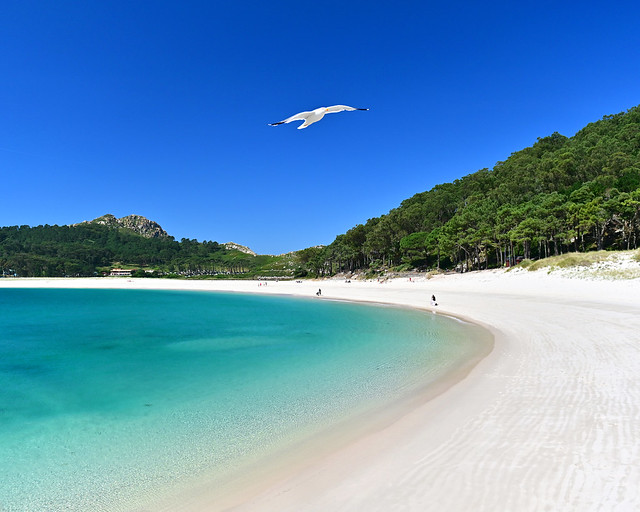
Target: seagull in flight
point(313, 116)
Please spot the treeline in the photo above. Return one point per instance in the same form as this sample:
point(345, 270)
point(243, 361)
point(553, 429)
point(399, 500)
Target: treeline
point(562, 194)
point(88, 249)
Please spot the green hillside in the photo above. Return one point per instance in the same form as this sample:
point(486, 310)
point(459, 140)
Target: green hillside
point(96, 248)
point(562, 194)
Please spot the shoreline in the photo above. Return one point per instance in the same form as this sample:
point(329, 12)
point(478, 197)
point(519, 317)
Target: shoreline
point(546, 421)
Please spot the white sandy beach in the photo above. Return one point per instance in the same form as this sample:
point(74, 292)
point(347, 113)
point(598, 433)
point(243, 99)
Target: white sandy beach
point(548, 421)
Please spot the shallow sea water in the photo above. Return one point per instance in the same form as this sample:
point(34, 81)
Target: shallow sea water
point(108, 397)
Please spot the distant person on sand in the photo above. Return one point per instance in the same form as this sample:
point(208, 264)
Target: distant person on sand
point(319, 292)
point(433, 300)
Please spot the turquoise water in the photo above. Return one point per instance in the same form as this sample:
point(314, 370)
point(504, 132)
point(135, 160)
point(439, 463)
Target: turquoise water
point(108, 397)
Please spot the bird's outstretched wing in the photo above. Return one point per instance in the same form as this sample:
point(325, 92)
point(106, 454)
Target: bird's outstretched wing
point(342, 108)
point(301, 116)
point(313, 116)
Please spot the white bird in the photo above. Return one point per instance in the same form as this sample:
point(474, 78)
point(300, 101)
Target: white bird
point(313, 116)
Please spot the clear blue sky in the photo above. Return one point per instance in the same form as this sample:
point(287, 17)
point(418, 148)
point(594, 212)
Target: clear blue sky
point(161, 108)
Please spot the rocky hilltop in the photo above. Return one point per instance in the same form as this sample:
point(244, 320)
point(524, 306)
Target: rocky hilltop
point(136, 223)
point(150, 229)
point(237, 247)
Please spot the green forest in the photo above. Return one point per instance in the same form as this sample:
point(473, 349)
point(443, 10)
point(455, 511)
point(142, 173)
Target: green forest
point(563, 194)
point(90, 249)
point(560, 195)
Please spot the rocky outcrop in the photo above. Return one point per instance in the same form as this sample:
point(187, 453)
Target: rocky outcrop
point(136, 223)
point(150, 229)
point(232, 246)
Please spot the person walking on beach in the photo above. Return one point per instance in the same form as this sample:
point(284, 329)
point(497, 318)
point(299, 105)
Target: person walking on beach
point(319, 292)
point(433, 300)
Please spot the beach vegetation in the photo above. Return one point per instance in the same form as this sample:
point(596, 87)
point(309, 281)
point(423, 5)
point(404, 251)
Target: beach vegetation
point(596, 264)
point(525, 264)
point(574, 259)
